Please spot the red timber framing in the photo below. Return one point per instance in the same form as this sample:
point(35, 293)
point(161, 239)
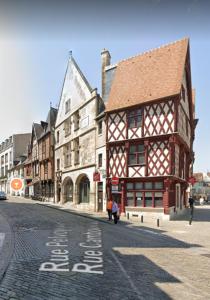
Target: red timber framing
point(159, 136)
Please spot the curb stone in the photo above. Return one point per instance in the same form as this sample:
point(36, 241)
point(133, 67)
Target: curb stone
point(75, 213)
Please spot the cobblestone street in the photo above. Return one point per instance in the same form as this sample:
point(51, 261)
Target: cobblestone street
point(130, 259)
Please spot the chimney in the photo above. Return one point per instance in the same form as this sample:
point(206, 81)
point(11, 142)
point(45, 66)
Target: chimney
point(105, 61)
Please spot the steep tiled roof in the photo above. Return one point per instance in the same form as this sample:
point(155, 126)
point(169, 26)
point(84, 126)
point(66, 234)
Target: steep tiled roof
point(38, 130)
point(152, 75)
point(51, 118)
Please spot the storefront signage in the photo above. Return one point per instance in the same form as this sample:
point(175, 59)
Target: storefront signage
point(96, 176)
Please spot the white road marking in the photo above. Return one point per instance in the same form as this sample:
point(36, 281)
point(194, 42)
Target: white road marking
point(149, 231)
point(2, 236)
point(140, 296)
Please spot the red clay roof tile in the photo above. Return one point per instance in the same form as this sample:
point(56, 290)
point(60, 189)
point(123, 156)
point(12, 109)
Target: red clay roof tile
point(149, 76)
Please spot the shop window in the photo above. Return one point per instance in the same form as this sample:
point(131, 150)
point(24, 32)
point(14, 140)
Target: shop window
point(158, 185)
point(148, 199)
point(148, 185)
point(139, 185)
point(136, 155)
point(139, 199)
point(129, 186)
point(135, 118)
point(130, 199)
point(158, 199)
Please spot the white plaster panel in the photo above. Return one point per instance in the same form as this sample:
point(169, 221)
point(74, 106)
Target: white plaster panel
point(162, 121)
point(136, 171)
point(117, 127)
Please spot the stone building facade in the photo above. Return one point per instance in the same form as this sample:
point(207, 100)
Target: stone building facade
point(75, 141)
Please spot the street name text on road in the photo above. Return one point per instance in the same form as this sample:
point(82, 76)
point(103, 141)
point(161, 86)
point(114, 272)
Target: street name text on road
point(93, 258)
point(59, 258)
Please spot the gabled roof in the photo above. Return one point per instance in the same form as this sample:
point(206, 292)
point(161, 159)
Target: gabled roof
point(38, 130)
point(50, 121)
point(149, 76)
point(75, 88)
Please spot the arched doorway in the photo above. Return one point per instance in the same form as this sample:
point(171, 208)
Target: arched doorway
point(83, 189)
point(68, 190)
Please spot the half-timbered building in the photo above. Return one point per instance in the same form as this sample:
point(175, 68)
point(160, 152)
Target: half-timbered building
point(46, 156)
point(150, 129)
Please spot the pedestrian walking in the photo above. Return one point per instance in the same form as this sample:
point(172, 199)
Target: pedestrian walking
point(201, 200)
point(109, 209)
point(115, 210)
point(191, 204)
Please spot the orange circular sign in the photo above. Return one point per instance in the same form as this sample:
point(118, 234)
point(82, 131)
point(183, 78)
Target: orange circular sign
point(16, 184)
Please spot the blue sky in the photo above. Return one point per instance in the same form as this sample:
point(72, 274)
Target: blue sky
point(35, 40)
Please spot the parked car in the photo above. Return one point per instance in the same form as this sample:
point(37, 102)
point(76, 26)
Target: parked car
point(3, 196)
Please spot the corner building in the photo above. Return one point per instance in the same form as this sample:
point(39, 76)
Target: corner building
point(150, 130)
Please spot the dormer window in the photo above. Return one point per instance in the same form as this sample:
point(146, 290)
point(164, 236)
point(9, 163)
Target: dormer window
point(67, 106)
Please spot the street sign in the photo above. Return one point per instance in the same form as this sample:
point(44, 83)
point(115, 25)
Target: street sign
point(115, 180)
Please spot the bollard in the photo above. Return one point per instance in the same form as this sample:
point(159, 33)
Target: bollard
point(158, 222)
point(127, 216)
point(190, 221)
point(142, 219)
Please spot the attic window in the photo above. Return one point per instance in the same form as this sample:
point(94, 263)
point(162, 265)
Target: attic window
point(67, 106)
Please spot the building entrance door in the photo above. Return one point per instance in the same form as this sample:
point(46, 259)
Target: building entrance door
point(100, 196)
